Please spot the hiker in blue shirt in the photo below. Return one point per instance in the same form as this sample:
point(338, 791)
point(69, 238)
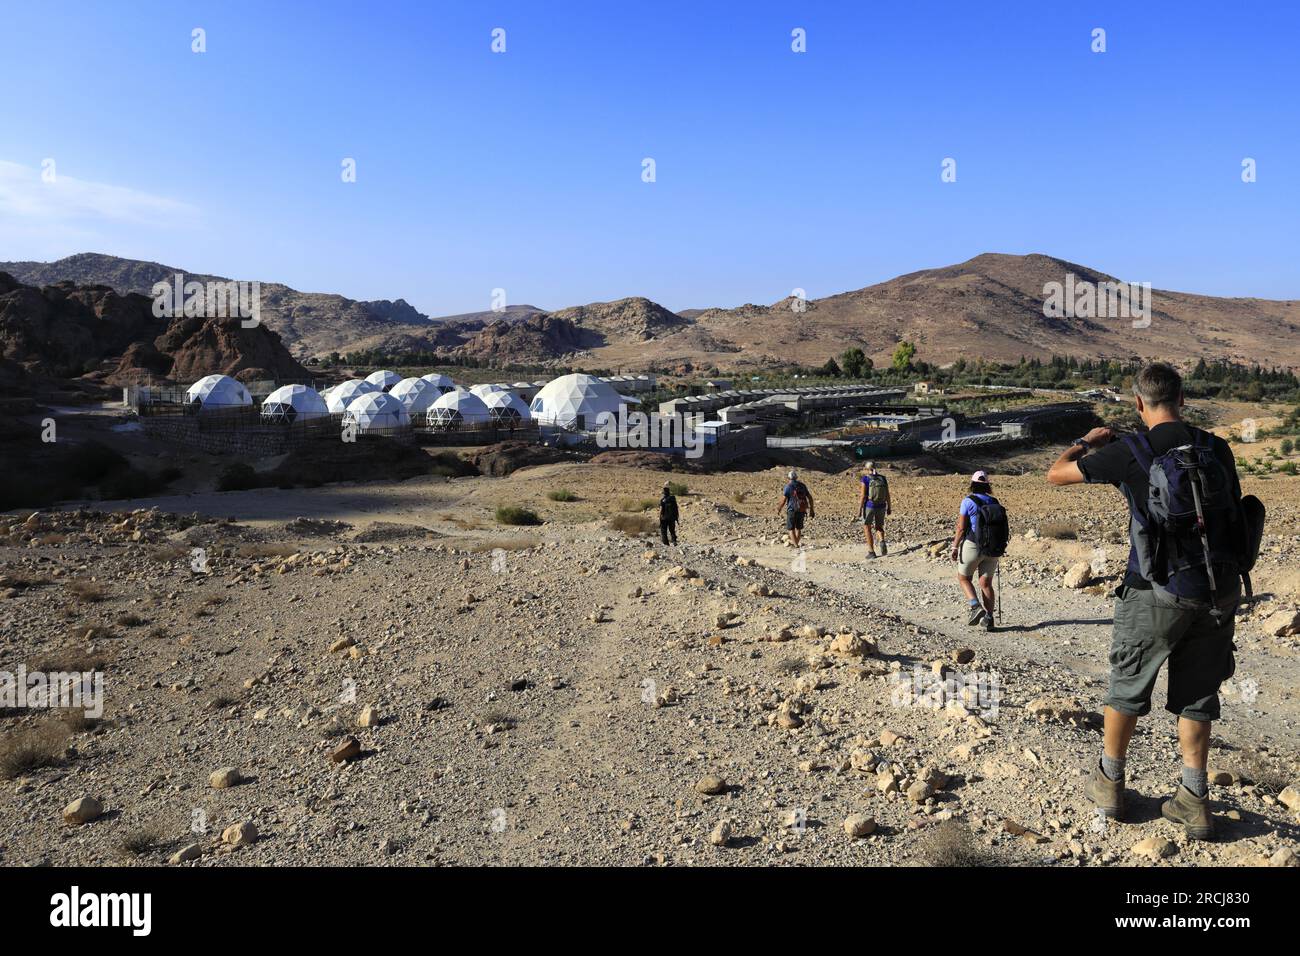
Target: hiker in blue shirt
point(973, 560)
point(796, 503)
point(873, 505)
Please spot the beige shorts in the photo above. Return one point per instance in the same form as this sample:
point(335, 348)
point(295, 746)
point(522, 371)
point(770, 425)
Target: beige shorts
point(971, 562)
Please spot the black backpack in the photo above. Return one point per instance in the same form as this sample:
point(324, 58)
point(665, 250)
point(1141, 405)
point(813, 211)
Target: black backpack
point(992, 531)
point(1192, 521)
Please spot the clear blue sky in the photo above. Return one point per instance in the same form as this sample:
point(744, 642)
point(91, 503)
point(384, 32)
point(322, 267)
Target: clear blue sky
point(775, 170)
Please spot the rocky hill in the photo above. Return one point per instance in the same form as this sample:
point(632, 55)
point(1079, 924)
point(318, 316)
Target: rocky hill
point(66, 330)
point(309, 323)
point(991, 306)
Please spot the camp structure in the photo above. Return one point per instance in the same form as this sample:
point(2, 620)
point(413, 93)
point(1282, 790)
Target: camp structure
point(216, 393)
point(457, 410)
point(341, 396)
point(576, 402)
point(376, 413)
point(416, 394)
point(294, 403)
point(383, 379)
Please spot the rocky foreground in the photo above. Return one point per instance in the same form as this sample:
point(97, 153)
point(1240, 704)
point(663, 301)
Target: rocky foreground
point(324, 691)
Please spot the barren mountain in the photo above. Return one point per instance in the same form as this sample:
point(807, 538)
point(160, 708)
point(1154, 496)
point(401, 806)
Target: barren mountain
point(65, 330)
point(309, 323)
point(990, 307)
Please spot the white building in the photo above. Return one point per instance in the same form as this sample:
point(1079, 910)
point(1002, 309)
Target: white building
point(458, 409)
point(383, 379)
point(416, 394)
point(376, 412)
point(341, 396)
point(576, 401)
point(294, 403)
point(216, 392)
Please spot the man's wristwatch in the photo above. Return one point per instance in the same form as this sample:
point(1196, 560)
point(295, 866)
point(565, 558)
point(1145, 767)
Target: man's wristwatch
point(1082, 443)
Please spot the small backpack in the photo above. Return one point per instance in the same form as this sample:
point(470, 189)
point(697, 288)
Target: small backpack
point(1191, 521)
point(877, 489)
point(992, 530)
point(801, 499)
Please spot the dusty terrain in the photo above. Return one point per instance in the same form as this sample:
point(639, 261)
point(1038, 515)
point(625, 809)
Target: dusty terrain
point(561, 694)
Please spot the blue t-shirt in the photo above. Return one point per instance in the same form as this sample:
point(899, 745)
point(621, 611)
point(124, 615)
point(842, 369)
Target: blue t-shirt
point(791, 499)
point(971, 510)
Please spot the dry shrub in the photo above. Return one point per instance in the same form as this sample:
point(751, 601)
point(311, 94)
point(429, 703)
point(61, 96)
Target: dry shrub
point(74, 660)
point(637, 504)
point(951, 844)
point(143, 839)
point(130, 619)
point(1059, 530)
point(87, 591)
point(32, 748)
point(632, 525)
point(504, 544)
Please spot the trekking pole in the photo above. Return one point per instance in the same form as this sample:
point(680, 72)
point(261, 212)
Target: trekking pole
point(999, 576)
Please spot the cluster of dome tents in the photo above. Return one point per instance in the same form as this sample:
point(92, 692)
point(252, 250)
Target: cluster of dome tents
point(384, 401)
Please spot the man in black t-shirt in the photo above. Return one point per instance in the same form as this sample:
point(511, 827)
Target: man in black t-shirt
point(1152, 625)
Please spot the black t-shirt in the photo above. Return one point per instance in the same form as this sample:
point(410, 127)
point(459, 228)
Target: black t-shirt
point(1114, 464)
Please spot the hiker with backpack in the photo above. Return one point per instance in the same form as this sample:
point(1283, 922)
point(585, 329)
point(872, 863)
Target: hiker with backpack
point(980, 540)
point(1192, 543)
point(873, 505)
point(668, 515)
point(797, 504)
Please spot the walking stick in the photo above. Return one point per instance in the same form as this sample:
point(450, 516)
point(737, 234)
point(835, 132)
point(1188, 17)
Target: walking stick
point(999, 576)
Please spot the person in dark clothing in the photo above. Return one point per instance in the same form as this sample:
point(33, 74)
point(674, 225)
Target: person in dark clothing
point(668, 516)
point(1191, 630)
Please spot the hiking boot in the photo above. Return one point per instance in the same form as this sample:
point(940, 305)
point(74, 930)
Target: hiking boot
point(1107, 794)
point(988, 621)
point(977, 614)
point(870, 553)
point(884, 549)
point(1191, 811)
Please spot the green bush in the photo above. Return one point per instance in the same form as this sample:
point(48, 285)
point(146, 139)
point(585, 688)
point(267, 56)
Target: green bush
point(562, 494)
point(676, 488)
point(510, 514)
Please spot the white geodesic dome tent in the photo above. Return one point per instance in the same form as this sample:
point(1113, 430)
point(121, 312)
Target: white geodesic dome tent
point(416, 394)
point(483, 391)
point(383, 379)
point(507, 408)
point(341, 396)
point(376, 412)
point(294, 403)
point(576, 401)
point(215, 392)
point(458, 409)
point(441, 382)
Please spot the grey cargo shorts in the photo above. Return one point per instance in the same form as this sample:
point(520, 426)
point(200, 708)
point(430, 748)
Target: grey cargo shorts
point(1152, 627)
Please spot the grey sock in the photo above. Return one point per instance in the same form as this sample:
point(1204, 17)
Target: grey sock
point(1113, 768)
point(1195, 781)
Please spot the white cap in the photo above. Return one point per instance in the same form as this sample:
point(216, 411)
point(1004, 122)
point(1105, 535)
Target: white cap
point(981, 476)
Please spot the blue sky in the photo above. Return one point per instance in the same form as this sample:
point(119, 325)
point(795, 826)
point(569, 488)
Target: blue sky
point(775, 170)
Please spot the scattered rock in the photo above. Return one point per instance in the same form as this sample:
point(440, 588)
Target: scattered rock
point(721, 834)
point(82, 810)
point(711, 786)
point(857, 825)
point(1078, 576)
point(186, 853)
point(225, 777)
point(369, 717)
point(1154, 848)
point(240, 834)
point(348, 749)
